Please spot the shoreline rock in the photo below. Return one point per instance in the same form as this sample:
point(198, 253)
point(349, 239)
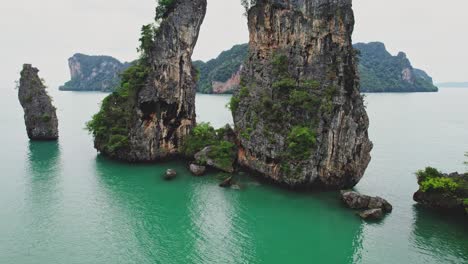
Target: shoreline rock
point(40, 115)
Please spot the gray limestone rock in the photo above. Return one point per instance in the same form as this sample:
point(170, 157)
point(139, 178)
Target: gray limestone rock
point(39, 114)
point(300, 75)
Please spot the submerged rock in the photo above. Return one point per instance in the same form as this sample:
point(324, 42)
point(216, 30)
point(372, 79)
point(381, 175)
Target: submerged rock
point(443, 192)
point(228, 182)
point(170, 174)
point(374, 207)
point(298, 112)
point(39, 114)
point(197, 170)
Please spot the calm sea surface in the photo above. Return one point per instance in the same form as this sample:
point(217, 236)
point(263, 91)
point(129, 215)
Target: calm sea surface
point(63, 203)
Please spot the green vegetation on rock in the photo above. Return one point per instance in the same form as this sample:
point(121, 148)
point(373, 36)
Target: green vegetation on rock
point(301, 141)
point(379, 70)
point(111, 125)
point(220, 69)
point(222, 151)
point(164, 7)
point(94, 73)
point(382, 72)
point(442, 191)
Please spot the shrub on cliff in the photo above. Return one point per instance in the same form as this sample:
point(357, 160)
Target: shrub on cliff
point(431, 179)
point(164, 6)
point(110, 125)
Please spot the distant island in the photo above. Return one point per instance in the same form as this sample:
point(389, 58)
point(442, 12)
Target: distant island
point(93, 73)
point(379, 72)
point(221, 75)
point(382, 72)
point(453, 84)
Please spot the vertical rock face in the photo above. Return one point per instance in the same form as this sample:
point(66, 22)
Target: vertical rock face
point(39, 113)
point(299, 114)
point(164, 109)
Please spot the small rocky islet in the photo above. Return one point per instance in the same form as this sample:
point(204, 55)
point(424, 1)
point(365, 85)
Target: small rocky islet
point(442, 192)
point(39, 114)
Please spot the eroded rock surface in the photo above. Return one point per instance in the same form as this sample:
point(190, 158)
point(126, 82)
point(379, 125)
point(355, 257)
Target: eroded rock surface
point(162, 112)
point(39, 114)
point(298, 112)
point(355, 200)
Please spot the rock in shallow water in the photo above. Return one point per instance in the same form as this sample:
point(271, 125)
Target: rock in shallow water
point(374, 207)
point(170, 174)
point(39, 114)
point(197, 170)
point(227, 182)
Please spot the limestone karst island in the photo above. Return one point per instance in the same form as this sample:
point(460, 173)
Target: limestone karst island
point(234, 131)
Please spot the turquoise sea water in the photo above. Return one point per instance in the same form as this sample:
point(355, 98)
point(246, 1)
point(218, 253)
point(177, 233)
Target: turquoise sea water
point(63, 203)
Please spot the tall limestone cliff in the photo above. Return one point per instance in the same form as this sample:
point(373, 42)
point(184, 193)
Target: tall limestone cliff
point(153, 111)
point(298, 112)
point(39, 114)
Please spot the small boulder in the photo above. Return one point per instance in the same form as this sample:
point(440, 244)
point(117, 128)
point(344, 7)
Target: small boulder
point(372, 214)
point(227, 183)
point(197, 170)
point(170, 174)
point(372, 206)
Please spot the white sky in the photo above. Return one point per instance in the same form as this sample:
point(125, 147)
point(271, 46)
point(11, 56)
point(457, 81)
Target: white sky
point(46, 32)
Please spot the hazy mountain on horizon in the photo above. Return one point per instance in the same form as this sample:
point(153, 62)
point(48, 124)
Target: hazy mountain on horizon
point(379, 71)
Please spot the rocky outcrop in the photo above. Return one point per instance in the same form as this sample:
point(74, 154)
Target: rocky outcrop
point(356, 200)
point(93, 73)
point(39, 114)
point(443, 192)
point(298, 113)
point(156, 99)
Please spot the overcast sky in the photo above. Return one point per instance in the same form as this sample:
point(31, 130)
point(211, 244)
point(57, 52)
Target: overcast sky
point(46, 32)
